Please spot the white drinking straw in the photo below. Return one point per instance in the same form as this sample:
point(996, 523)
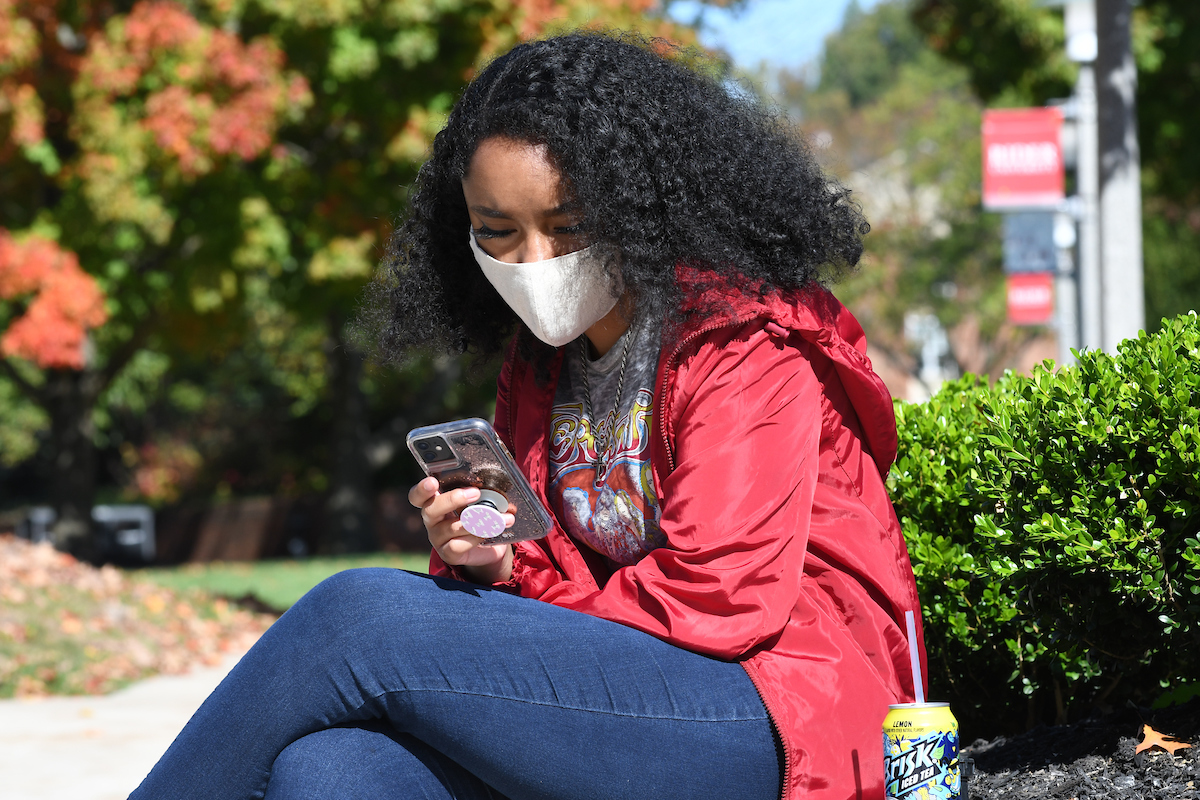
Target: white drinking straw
point(918, 684)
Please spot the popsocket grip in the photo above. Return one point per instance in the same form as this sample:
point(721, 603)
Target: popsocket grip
point(482, 521)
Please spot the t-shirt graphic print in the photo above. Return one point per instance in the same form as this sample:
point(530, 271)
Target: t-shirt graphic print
point(618, 515)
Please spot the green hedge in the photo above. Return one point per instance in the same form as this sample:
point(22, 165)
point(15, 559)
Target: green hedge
point(1053, 522)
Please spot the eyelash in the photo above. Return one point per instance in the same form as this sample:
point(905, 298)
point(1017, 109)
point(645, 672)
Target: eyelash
point(484, 232)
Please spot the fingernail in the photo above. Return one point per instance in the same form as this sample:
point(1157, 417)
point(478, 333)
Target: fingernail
point(470, 493)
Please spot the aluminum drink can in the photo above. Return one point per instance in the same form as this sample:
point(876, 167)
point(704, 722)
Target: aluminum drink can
point(920, 752)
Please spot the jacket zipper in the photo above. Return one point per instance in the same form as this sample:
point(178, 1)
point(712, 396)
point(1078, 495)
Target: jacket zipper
point(662, 427)
point(776, 731)
point(662, 394)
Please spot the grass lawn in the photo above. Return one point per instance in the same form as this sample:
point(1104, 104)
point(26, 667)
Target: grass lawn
point(277, 583)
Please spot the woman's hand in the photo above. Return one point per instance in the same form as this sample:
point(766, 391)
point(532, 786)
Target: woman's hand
point(483, 563)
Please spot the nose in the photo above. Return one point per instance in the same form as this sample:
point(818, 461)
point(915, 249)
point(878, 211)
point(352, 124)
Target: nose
point(537, 246)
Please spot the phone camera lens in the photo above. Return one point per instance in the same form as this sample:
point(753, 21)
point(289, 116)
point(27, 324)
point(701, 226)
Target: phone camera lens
point(433, 450)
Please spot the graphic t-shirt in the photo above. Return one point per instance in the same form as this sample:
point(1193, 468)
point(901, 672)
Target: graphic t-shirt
point(615, 513)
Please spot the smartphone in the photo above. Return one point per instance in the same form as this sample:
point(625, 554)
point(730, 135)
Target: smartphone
point(467, 452)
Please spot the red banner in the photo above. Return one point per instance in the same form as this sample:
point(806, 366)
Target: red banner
point(1030, 298)
point(1022, 158)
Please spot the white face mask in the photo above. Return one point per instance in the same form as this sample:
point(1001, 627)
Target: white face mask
point(558, 298)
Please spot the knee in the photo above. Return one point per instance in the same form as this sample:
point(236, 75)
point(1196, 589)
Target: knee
point(365, 761)
point(301, 769)
point(314, 766)
point(366, 596)
point(353, 607)
point(353, 587)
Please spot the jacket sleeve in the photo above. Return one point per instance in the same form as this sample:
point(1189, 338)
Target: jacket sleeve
point(745, 419)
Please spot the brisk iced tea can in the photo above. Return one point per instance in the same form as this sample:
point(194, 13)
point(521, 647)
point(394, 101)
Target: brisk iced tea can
point(920, 752)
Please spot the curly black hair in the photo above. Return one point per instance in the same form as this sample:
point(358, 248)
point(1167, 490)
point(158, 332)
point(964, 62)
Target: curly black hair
point(666, 165)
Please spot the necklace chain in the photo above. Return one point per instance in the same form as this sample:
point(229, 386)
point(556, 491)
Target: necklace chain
point(603, 439)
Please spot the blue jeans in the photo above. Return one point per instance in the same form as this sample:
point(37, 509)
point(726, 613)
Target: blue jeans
point(386, 684)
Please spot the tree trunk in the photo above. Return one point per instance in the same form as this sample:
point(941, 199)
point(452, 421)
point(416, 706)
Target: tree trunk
point(69, 396)
point(347, 518)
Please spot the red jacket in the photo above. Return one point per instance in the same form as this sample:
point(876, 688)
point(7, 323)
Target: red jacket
point(772, 437)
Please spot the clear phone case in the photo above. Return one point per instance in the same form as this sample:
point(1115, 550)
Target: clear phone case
point(467, 452)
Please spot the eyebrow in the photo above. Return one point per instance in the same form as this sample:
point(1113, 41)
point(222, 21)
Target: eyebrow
point(492, 213)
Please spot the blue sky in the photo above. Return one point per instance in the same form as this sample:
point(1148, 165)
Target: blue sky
point(783, 33)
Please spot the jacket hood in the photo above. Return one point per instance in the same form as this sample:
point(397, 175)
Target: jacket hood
point(816, 316)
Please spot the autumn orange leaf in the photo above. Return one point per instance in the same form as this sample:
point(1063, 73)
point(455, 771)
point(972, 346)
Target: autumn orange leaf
point(1152, 738)
point(64, 302)
point(222, 96)
point(70, 624)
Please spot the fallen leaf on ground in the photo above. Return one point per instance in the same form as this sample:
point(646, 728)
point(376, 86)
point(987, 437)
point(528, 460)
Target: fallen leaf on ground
point(1152, 738)
point(67, 627)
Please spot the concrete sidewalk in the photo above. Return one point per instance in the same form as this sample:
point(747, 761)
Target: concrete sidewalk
point(96, 748)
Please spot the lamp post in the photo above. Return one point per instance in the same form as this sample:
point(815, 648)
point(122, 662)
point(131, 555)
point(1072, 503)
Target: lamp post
point(1108, 175)
point(1124, 311)
point(1080, 19)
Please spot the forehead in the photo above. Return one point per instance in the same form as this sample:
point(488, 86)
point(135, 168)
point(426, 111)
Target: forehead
point(505, 172)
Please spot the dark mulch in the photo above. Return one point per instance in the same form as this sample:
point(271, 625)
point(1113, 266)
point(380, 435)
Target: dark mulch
point(1092, 758)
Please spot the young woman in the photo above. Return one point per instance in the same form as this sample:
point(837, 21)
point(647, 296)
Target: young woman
point(718, 611)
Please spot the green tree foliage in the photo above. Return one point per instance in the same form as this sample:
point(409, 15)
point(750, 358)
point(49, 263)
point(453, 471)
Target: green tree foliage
point(899, 123)
point(1167, 47)
point(1014, 53)
point(1172, 252)
point(122, 128)
point(1014, 50)
point(864, 73)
